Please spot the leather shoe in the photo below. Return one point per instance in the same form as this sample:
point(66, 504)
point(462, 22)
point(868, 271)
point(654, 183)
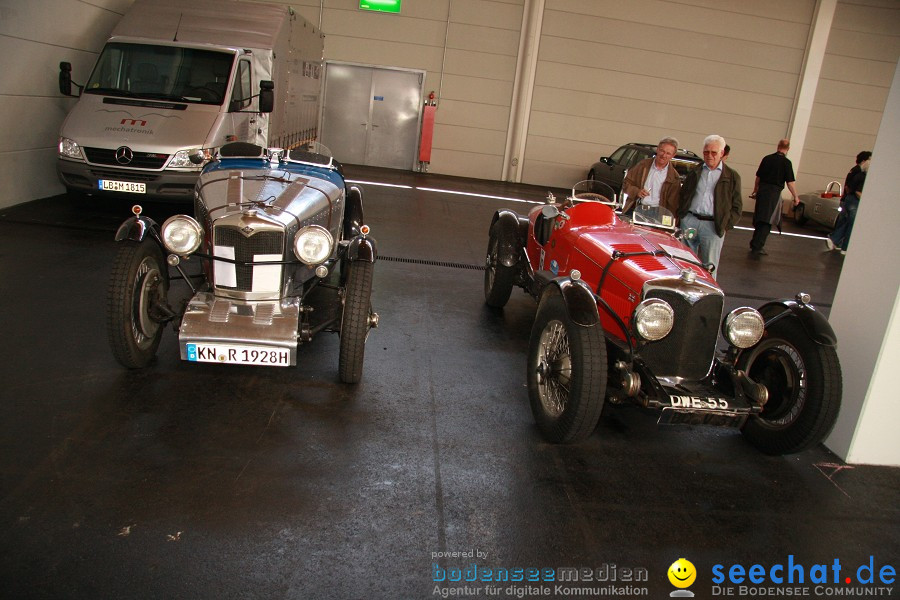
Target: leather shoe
point(829, 243)
point(759, 252)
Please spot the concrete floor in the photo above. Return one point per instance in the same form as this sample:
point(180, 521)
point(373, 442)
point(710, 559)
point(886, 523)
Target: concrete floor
point(207, 481)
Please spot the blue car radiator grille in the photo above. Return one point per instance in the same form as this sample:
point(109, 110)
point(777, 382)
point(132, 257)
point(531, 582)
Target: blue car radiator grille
point(245, 248)
point(689, 348)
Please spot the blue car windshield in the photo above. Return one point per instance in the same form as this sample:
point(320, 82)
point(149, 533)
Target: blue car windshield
point(161, 73)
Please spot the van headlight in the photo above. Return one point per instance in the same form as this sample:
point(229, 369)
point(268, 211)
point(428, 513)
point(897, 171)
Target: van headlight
point(743, 327)
point(313, 244)
point(191, 159)
point(70, 149)
point(181, 235)
point(653, 319)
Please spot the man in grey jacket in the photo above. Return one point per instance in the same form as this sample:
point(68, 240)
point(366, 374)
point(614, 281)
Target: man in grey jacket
point(710, 202)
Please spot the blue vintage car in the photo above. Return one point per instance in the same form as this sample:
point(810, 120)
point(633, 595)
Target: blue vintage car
point(275, 252)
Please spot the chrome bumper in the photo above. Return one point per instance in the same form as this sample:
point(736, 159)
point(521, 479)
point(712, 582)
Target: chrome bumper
point(270, 325)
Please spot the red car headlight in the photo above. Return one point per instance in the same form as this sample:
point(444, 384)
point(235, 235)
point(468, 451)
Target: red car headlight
point(653, 319)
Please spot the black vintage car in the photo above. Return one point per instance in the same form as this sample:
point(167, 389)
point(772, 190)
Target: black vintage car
point(275, 253)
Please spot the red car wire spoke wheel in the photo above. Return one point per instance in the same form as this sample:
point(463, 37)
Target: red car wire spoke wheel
point(498, 278)
point(566, 373)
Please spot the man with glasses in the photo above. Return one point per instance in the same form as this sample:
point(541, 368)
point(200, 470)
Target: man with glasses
point(710, 202)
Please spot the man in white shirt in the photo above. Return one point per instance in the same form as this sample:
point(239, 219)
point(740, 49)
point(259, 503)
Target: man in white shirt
point(654, 181)
point(710, 202)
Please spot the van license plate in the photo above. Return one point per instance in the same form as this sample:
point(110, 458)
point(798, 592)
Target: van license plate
point(234, 354)
point(129, 187)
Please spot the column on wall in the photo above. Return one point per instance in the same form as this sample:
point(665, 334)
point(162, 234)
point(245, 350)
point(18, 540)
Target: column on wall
point(809, 78)
point(523, 88)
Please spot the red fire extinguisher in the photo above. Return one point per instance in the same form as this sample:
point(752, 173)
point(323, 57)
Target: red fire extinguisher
point(427, 133)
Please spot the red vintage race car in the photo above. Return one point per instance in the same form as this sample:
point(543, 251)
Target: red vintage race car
point(627, 313)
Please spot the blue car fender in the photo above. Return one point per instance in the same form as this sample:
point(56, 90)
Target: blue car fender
point(136, 229)
point(362, 248)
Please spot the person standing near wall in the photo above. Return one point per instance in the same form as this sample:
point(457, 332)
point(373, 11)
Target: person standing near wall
point(774, 172)
point(853, 186)
point(654, 181)
point(710, 202)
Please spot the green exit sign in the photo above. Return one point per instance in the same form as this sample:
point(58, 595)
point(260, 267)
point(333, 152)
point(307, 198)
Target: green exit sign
point(388, 6)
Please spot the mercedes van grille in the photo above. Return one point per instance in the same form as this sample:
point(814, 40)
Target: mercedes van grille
point(139, 160)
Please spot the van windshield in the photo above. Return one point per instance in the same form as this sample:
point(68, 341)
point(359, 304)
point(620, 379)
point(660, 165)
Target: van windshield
point(161, 73)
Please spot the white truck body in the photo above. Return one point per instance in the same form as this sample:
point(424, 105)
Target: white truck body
point(178, 79)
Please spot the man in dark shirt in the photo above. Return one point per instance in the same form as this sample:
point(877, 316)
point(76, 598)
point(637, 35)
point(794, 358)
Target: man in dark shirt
point(853, 187)
point(775, 170)
point(860, 159)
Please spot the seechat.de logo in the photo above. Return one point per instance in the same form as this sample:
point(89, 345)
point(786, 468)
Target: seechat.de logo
point(682, 574)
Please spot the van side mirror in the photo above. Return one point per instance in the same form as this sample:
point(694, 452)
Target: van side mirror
point(266, 96)
point(65, 78)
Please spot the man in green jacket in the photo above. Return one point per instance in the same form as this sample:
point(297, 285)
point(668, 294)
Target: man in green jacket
point(710, 202)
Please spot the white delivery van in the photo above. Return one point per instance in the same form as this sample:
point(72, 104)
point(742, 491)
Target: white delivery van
point(177, 80)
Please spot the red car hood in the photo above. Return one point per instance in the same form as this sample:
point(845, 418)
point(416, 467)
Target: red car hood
point(599, 243)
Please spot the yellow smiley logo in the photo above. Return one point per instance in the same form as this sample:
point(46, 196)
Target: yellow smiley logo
point(682, 573)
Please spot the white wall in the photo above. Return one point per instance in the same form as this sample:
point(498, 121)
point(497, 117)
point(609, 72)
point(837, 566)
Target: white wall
point(613, 72)
point(857, 70)
point(608, 72)
point(35, 36)
point(472, 74)
point(866, 311)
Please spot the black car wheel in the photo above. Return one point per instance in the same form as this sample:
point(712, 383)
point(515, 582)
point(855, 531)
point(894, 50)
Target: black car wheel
point(566, 373)
point(804, 383)
point(355, 321)
point(139, 280)
point(498, 278)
